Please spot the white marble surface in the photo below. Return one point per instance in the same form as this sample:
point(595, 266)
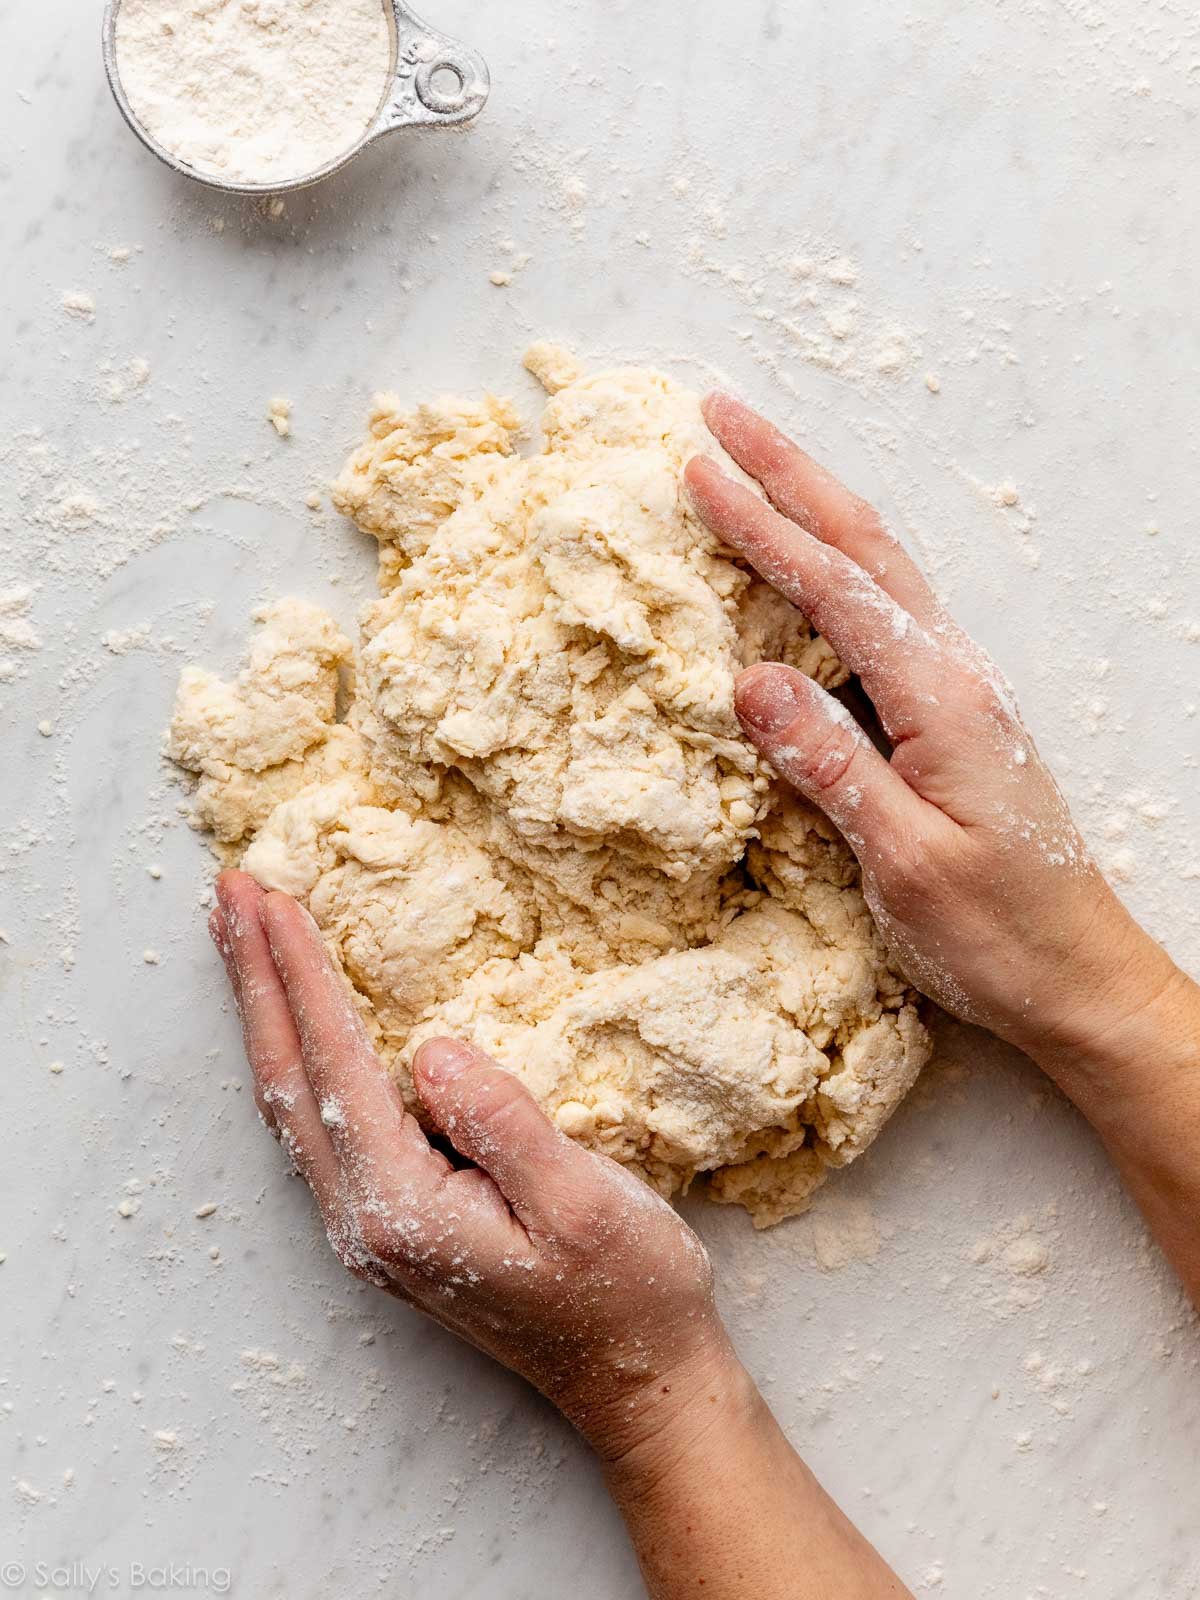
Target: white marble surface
point(1012, 184)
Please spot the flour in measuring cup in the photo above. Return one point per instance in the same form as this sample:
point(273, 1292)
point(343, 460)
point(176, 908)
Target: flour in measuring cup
point(253, 91)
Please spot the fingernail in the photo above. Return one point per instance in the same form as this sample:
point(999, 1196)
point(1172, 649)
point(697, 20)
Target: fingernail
point(767, 701)
point(441, 1060)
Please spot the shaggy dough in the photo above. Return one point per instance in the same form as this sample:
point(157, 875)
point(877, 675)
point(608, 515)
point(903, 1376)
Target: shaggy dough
point(535, 822)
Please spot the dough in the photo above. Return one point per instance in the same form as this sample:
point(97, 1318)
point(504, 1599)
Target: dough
point(535, 822)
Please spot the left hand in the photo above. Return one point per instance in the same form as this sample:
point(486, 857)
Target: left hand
point(551, 1258)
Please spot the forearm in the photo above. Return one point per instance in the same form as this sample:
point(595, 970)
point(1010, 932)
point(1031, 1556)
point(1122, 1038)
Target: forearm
point(719, 1504)
point(1132, 1066)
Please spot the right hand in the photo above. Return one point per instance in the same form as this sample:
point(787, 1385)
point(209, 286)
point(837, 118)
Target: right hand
point(972, 866)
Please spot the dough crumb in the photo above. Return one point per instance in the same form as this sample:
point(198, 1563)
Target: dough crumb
point(279, 415)
point(553, 366)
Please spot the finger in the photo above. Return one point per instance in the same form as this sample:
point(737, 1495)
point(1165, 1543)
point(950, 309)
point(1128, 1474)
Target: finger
point(492, 1119)
point(900, 666)
point(219, 933)
point(815, 744)
point(379, 1144)
point(805, 492)
point(272, 1043)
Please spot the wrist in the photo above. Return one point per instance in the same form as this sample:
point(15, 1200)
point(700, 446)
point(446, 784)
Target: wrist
point(1119, 1029)
point(1082, 996)
point(641, 1443)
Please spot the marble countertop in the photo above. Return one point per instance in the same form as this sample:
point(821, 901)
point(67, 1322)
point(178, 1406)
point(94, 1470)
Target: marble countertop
point(952, 247)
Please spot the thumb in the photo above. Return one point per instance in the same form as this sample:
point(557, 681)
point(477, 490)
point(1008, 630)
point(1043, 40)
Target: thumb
point(491, 1118)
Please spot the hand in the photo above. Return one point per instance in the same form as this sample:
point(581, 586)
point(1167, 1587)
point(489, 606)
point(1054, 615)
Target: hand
point(971, 864)
point(554, 1260)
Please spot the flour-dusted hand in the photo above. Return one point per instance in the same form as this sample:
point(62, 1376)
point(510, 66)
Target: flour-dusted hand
point(975, 873)
point(971, 863)
point(554, 1260)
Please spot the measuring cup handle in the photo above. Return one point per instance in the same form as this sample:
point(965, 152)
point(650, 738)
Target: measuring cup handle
point(438, 81)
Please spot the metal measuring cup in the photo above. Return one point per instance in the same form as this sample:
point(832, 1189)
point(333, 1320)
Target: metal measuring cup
point(432, 81)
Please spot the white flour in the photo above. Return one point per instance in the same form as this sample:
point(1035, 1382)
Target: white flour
point(253, 91)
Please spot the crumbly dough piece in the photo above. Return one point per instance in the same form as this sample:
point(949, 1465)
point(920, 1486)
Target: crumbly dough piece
point(536, 823)
point(273, 730)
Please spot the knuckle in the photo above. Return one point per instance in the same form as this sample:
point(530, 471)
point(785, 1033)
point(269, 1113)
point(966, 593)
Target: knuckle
point(869, 525)
point(266, 1115)
point(982, 692)
point(375, 1234)
point(344, 1226)
point(819, 762)
point(881, 549)
point(977, 696)
point(272, 1066)
point(498, 1101)
point(832, 761)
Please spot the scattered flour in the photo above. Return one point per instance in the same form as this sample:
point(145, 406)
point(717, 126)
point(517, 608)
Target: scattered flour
point(1019, 1257)
point(76, 303)
point(843, 1231)
point(120, 641)
point(18, 637)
